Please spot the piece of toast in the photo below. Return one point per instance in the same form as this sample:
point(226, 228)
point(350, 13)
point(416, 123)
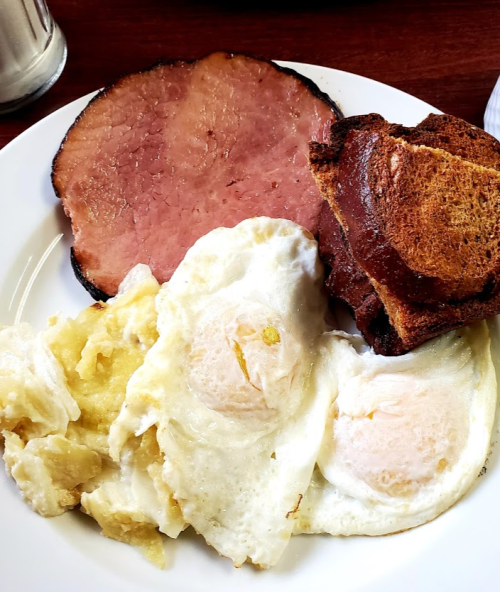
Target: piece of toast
point(432, 259)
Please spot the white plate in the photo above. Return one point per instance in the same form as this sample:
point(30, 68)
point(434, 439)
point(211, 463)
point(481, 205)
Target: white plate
point(457, 551)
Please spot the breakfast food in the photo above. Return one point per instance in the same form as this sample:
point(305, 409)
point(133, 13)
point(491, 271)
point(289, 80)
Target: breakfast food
point(416, 225)
point(235, 386)
point(33, 396)
point(406, 436)
point(162, 157)
point(99, 351)
point(60, 391)
point(221, 400)
point(209, 400)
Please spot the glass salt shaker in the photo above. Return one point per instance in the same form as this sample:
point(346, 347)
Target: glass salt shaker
point(32, 52)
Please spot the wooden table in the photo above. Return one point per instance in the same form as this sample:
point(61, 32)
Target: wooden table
point(444, 52)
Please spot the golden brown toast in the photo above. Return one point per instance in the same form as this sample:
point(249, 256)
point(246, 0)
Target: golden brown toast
point(420, 222)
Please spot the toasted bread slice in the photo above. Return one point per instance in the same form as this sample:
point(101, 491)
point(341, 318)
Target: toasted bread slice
point(423, 291)
point(420, 221)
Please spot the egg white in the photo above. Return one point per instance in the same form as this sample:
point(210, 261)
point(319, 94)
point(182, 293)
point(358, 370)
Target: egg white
point(406, 437)
point(234, 385)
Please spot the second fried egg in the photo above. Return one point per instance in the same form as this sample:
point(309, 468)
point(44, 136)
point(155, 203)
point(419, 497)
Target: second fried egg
point(406, 437)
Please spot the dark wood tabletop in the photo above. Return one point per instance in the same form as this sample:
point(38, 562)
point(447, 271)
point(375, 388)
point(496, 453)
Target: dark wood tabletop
point(444, 52)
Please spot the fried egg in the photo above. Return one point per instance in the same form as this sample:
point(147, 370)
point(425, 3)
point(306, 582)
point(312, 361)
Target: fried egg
point(235, 387)
point(405, 438)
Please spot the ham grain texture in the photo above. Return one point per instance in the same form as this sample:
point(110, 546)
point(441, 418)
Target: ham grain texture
point(162, 157)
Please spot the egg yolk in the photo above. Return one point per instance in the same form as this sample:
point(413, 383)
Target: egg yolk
point(400, 434)
point(242, 360)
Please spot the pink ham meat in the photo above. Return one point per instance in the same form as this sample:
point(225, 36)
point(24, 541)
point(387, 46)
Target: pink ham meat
point(162, 157)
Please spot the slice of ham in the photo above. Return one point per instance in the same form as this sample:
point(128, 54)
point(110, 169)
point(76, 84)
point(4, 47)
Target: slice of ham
point(162, 157)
